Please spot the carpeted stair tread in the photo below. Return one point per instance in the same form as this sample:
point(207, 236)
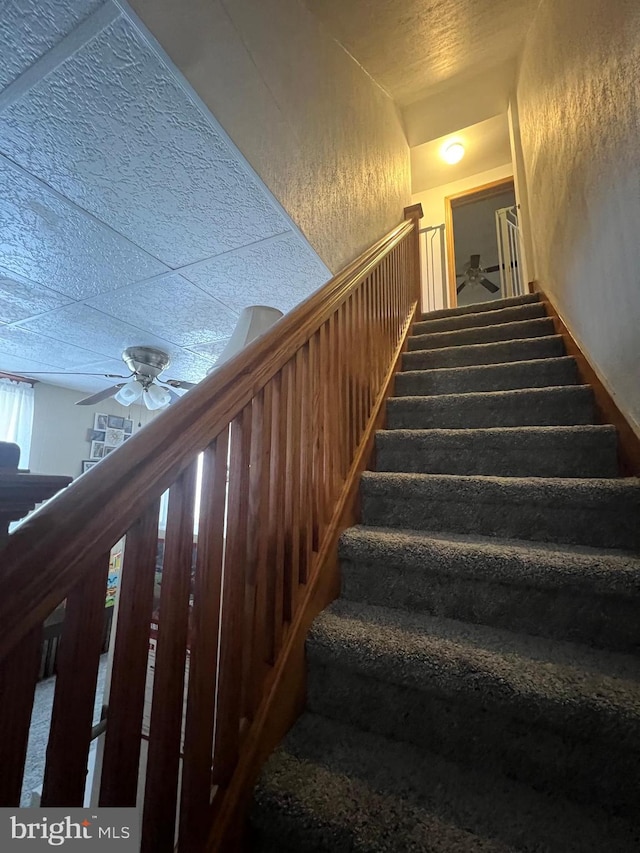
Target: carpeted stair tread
point(602, 512)
point(568, 405)
point(551, 346)
point(547, 451)
point(538, 373)
point(477, 307)
point(603, 571)
point(331, 787)
point(591, 694)
point(572, 593)
point(512, 314)
point(542, 327)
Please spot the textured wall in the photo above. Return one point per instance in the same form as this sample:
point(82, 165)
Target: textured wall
point(322, 136)
point(579, 116)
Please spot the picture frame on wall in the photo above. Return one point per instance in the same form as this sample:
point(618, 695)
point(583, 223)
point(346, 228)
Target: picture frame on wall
point(113, 437)
point(88, 463)
point(128, 426)
point(96, 435)
point(97, 450)
point(100, 421)
point(115, 422)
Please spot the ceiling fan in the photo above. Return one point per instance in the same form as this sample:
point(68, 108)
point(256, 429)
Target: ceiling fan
point(146, 364)
point(474, 274)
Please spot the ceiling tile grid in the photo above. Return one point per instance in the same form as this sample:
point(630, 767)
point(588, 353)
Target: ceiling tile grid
point(274, 273)
point(190, 315)
point(127, 217)
point(29, 29)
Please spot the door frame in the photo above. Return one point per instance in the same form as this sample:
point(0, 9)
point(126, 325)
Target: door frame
point(458, 200)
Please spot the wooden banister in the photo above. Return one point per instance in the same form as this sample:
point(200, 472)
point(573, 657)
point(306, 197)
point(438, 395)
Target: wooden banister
point(285, 427)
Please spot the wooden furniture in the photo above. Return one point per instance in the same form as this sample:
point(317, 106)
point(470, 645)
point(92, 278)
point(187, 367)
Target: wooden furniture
point(285, 428)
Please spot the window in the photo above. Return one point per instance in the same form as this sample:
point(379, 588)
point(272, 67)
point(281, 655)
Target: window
point(16, 416)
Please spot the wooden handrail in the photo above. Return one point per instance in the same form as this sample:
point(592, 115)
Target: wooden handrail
point(285, 427)
point(42, 562)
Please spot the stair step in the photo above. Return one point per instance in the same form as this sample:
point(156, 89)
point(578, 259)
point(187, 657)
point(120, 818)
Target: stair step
point(599, 512)
point(540, 373)
point(565, 405)
point(561, 451)
point(569, 593)
point(555, 715)
point(330, 787)
point(542, 327)
point(476, 354)
point(477, 307)
point(483, 318)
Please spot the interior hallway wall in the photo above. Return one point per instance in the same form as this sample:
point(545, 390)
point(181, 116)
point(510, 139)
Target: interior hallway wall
point(579, 111)
point(324, 138)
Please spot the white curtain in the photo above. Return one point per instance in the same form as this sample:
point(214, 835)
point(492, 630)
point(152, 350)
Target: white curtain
point(16, 416)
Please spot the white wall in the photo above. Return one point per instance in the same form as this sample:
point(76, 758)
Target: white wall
point(433, 200)
point(59, 439)
point(325, 139)
point(579, 113)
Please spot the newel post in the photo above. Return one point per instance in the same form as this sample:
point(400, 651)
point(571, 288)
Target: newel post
point(415, 214)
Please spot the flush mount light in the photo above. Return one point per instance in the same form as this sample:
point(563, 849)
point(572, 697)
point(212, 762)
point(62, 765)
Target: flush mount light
point(453, 152)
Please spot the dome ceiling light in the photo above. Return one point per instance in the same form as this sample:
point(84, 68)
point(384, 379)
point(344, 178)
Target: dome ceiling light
point(452, 152)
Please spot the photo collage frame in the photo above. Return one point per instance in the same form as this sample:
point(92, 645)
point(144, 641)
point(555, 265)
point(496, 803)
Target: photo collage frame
point(108, 433)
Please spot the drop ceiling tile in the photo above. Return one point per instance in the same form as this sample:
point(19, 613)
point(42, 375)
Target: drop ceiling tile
point(114, 131)
point(280, 273)
point(46, 240)
point(29, 28)
point(24, 366)
point(19, 342)
point(22, 299)
point(210, 350)
point(187, 365)
point(170, 307)
point(86, 327)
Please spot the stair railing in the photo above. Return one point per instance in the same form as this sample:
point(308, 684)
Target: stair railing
point(281, 428)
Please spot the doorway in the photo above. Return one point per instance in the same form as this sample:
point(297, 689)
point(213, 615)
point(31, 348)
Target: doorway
point(473, 253)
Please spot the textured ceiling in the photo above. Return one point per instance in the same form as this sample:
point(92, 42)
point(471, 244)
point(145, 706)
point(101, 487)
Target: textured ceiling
point(127, 217)
point(413, 47)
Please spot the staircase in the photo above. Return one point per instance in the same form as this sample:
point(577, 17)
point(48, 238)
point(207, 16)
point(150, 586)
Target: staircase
point(476, 687)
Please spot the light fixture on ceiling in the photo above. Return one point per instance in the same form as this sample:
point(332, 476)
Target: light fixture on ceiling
point(452, 152)
point(153, 396)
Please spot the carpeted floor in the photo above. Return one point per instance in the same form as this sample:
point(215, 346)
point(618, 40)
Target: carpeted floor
point(39, 731)
point(477, 685)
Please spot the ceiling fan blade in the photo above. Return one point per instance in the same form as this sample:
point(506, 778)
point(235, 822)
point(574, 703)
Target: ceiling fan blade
point(489, 285)
point(174, 397)
point(178, 383)
point(474, 262)
point(74, 373)
point(493, 269)
point(100, 396)
point(461, 285)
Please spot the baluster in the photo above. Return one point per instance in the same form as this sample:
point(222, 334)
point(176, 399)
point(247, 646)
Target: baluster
point(306, 460)
point(274, 614)
point(252, 639)
point(18, 674)
point(78, 659)
point(205, 624)
point(228, 705)
point(127, 690)
point(292, 487)
point(165, 731)
point(315, 460)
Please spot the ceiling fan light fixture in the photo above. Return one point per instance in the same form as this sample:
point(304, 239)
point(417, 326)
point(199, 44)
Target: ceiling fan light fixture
point(452, 152)
point(129, 393)
point(156, 397)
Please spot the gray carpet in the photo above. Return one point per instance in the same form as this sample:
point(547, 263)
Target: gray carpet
point(477, 685)
point(39, 730)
